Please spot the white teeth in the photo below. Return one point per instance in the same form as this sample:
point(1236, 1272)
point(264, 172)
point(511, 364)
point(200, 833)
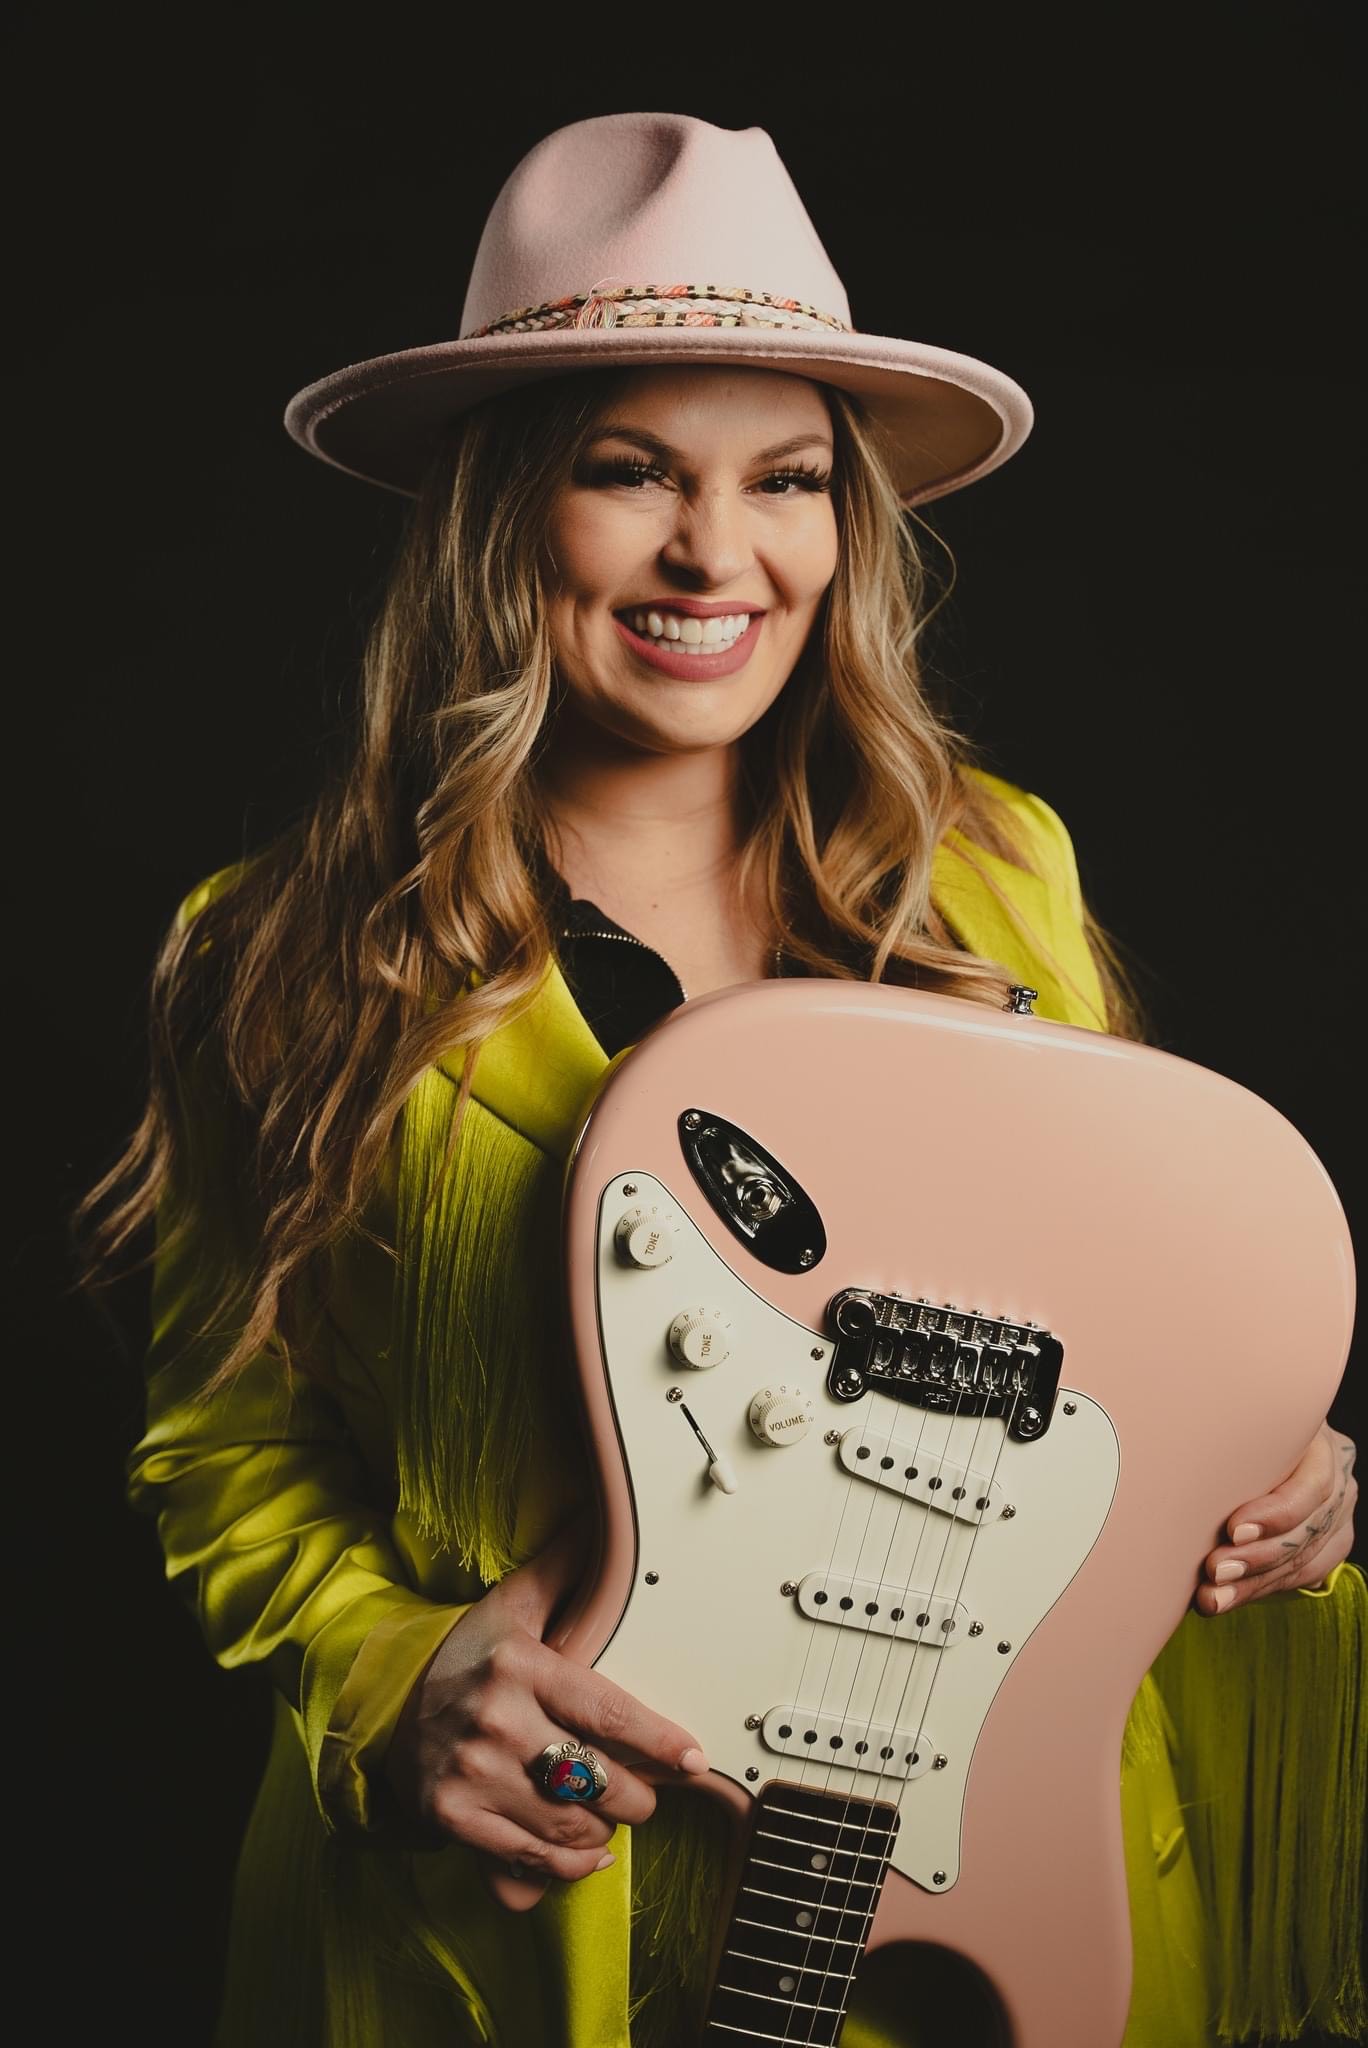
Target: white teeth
point(693, 635)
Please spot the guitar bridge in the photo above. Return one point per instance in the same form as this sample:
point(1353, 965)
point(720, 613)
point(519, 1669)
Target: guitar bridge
point(953, 1361)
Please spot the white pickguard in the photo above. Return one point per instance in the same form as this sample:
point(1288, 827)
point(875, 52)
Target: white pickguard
point(710, 1637)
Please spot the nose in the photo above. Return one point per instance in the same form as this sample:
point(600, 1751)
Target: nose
point(710, 544)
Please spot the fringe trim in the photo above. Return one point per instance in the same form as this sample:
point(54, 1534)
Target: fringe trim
point(678, 1857)
point(470, 1351)
point(1271, 1762)
point(1149, 1736)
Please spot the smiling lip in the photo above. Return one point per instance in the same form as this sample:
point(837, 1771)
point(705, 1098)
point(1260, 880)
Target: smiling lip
point(691, 608)
point(700, 668)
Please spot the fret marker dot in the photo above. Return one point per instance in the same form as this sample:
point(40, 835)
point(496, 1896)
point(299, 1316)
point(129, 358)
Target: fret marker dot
point(802, 1919)
point(788, 1983)
point(819, 1861)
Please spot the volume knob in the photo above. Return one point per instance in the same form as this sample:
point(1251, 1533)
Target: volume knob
point(780, 1415)
point(698, 1338)
point(646, 1237)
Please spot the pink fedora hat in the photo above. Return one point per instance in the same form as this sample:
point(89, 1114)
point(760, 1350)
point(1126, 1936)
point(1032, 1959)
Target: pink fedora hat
point(658, 238)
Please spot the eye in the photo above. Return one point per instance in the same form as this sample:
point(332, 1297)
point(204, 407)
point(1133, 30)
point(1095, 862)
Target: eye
point(626, 469)
point(803, 477)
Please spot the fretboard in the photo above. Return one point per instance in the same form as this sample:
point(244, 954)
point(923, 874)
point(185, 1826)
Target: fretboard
point(803, 1911)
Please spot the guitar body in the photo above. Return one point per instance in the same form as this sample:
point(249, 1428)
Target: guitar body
point(939, 1546)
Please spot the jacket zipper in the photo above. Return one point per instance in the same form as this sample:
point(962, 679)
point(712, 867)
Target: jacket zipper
point(628, 940)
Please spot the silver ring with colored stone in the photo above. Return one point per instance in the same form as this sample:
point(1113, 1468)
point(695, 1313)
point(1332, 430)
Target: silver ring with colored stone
point(570, 1771)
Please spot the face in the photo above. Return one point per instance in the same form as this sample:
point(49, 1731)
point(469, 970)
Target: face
point(690, 552)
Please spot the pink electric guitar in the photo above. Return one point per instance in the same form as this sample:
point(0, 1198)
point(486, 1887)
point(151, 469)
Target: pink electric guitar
point(925, 1348)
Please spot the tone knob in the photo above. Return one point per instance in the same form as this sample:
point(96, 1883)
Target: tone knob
point(698, 1338)
point(780, 1415)
point(646, 1237)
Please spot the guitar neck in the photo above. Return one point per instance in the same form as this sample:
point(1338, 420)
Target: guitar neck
point(804, 1906)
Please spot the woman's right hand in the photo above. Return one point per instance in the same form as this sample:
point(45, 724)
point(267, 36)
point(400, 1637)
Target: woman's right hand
point(487, 1705)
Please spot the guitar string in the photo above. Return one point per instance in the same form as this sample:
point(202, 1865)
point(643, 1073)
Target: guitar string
point(873, 1414)
point(920, 1644)
point(916, 1648)
point(1007, 1420)
point(837, 1636)
point(822, 1902)
point(851, 1493)
point(977, 1532)
point(937, 1666)
point(895, 1409)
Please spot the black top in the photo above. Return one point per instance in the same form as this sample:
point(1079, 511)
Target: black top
point(621, 985)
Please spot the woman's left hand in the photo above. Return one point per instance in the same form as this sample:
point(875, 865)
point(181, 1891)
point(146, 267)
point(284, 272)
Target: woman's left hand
point(1290, 1537)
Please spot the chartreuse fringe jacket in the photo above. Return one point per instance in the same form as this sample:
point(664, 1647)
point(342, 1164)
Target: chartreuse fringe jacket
point(336, 1530)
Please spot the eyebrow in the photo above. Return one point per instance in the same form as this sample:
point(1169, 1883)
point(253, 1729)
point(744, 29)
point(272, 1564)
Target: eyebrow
point(621, 431)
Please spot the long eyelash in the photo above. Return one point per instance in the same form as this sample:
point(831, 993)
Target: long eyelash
point(805, 474)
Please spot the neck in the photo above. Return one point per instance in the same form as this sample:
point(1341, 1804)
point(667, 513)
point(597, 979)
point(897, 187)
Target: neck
point(804, 1907)
point(613, 808)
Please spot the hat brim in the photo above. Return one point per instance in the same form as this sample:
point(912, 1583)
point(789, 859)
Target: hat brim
point(948, 418)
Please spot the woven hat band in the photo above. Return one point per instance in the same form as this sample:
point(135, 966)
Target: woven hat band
point(666, 305)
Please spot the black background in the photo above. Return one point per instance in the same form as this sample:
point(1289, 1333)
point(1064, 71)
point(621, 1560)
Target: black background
point(1145, 215)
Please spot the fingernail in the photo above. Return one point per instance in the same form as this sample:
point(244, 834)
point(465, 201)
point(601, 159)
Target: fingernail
point(1248, 1532)
point(1231, 1569)
point(693, 1760)
point(605, 1859)
point(1221, 1600)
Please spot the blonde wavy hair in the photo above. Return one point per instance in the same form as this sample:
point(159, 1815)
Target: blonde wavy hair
point(305, 999)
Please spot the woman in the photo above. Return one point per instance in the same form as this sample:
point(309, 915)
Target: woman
point(372, 1042)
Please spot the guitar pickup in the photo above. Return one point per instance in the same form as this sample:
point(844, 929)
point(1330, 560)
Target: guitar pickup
point(852, 1744)
point(884, 1610)
point(916, 1475)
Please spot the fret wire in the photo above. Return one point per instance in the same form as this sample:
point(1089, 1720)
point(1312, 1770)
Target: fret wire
point(827, 1848)
point(772, 1963)
point(807, 1905)
point(779, 1998)
point(823, 1877)
point(821, 1871)
point(823, 1822)
point(800, 1933)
